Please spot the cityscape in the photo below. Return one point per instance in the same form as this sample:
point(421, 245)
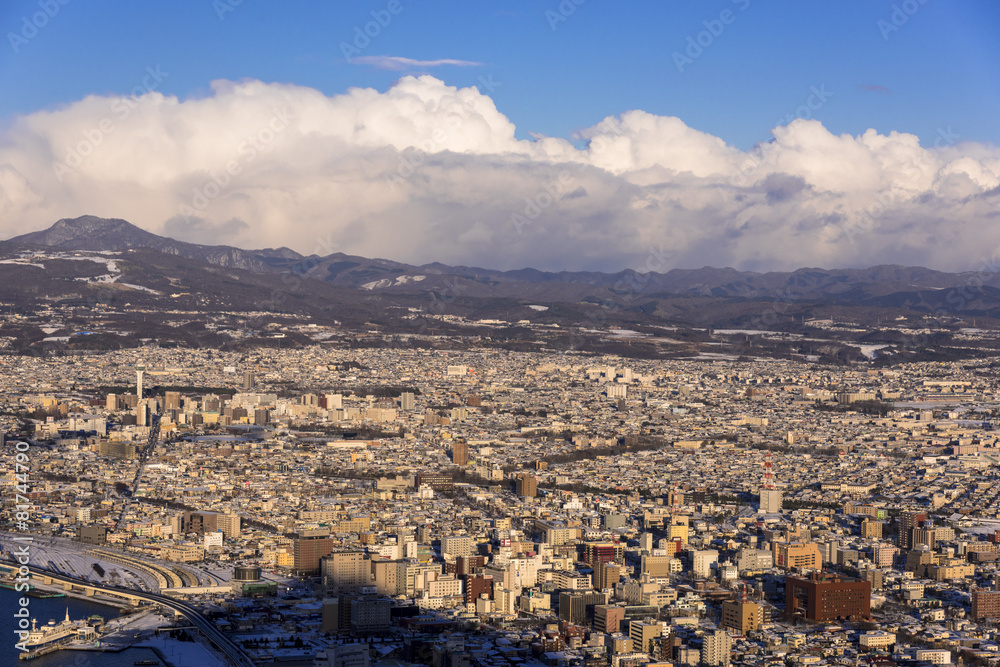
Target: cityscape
point(559, 334)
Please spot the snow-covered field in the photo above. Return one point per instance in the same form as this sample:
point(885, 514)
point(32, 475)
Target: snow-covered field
point(112, 276)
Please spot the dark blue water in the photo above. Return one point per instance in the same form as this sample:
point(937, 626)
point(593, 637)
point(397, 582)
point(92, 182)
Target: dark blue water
point(55, 609)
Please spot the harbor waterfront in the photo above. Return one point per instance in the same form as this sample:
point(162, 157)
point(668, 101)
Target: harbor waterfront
point(45, 609)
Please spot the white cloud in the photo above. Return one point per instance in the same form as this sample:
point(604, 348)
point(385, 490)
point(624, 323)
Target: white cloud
point(429, 172)
point(399, 63)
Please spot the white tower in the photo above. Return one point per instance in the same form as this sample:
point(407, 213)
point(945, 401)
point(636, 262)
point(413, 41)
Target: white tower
point(139, 370)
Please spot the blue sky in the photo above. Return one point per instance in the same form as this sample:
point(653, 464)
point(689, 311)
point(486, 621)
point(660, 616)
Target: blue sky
point(940, 68)
point(557, 134)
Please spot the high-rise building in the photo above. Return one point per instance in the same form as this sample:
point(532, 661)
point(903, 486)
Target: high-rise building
point(606, 576)
point(702, 561)
point(643, 633)
point(716, 648)
point(249, 381)
point(346, 571)
point(309, 548)
point(824, 598)
point(527, 485)
point(458, 545)
point(598, 553)
point(907, 522)
point(460, 453)
point(230, 525)
point(407, 401)
point(476, 587)
point(578, 607)
point(923, 537)
point(770, 501)
point(172, 400)
point(608, 618)
point(871, 528)
point(742, 616)
point(985, 604)
point(142, 415)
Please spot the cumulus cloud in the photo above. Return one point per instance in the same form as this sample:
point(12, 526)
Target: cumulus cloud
point(428, 172)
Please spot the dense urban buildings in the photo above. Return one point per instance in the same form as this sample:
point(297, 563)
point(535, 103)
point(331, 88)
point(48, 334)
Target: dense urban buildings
point(691, 522)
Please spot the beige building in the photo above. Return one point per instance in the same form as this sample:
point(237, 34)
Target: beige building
point(346, 571)
point(801, 555)
point(741, 616)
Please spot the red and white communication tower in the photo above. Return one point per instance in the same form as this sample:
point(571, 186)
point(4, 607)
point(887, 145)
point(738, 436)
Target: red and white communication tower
point(768, 471)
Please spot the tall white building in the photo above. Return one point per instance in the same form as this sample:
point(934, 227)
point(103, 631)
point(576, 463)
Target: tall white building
point(702, 561)
point(457, 546)
point(770, 501)
point(716, 648)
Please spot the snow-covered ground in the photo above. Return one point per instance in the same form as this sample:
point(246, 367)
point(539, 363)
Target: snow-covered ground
point(388, 282)
point(69, 557)
point(112, 276)
point(869, 350)
point(140, 288)
point(185, 653)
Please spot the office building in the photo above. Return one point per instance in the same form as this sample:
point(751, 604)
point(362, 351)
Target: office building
point(460, 453)
point(800, 555)
point(985, 604)
point(642, 634)
point(825, 598)
point(742, 616)
point(527, 485)
point(716, 648)
point(308, 549)
point(346, 571)
point(907, 522)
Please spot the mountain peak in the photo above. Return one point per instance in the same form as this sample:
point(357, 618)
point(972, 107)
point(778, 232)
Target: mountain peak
point(89, 232)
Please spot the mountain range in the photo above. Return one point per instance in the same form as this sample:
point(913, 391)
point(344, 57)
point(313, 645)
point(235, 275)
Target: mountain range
point(877, 285)
point(159, 274)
